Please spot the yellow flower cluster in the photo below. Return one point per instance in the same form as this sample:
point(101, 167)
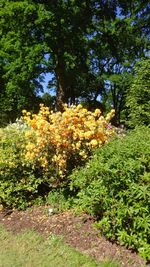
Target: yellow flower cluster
point(56, 138)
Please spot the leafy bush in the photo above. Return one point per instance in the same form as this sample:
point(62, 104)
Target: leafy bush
point(36, 155)
point(115, 187)
point(138, 96)
point(65, 140)
point(19, 180)
point(61, 199)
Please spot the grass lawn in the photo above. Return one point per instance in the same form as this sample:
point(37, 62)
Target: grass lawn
point(29, 249)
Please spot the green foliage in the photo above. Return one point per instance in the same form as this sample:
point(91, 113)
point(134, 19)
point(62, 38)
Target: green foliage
point(19, 180)
point(115, 187)
point(138, 96)
point(20, 58)
point(88, 48)
point(48, 100)
point(30, 249)
point(60, 199)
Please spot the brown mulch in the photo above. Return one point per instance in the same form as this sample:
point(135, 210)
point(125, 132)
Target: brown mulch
point(76, 230)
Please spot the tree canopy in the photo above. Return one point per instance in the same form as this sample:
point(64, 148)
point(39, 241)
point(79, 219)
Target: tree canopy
point(138, 95)
point(90, 47)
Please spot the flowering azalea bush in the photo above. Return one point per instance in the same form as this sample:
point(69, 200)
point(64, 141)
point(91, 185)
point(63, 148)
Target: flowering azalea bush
point(63, 141)
point(19, 178)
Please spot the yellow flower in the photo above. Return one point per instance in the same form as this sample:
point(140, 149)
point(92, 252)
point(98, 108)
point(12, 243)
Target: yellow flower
point(41, 105)
point(83, 154)
point(112, 111)
point(84, 110)
point(28, 134)
point(65, 133)
point(78, 145)
point(60, 173)
point(30, 146)
point(94, 143)
point(79, 106)
point(88, 134)
point(97, 112)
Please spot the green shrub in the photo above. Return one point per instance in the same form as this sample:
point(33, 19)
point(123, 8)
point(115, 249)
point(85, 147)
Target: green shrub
point(19, 180)
point(61, 199)
point(115, 187)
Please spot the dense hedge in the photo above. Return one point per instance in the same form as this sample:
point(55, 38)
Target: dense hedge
point(115, 187)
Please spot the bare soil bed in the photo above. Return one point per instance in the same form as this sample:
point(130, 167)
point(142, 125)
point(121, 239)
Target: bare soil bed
point(77, 231)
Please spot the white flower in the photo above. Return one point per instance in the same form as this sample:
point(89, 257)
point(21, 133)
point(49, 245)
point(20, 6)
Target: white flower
point(50, 211)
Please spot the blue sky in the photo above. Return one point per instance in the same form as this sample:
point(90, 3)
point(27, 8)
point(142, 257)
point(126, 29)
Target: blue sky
point(47, 78)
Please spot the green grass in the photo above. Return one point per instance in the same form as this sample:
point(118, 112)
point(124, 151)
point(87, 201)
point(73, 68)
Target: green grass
point(29, 249)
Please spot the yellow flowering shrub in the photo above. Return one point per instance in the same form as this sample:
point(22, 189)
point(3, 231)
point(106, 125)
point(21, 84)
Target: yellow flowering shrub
point(65, 140)
point(19, 179)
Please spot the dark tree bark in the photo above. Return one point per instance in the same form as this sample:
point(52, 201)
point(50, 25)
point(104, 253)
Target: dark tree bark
point(61, 95)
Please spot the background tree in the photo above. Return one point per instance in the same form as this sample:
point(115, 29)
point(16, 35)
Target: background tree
point(20, 56)
point(138, 95)
point(48, 100)
point(119, 39)
point(43, 37)
point(90, 48)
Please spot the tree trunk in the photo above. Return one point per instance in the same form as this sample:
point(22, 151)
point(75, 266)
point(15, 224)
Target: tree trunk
point(61, 95)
